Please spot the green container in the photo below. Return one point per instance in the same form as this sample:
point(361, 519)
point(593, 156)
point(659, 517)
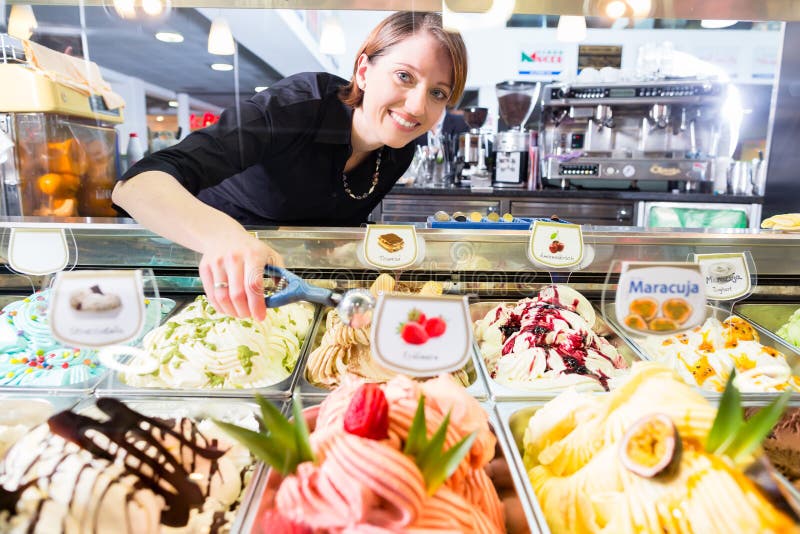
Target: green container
point(667, 217)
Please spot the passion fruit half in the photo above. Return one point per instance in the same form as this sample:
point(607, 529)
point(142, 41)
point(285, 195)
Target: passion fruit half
point(652, 447)
point(662, 324)
point(635, 321)
point(646, 307)
point(676, 309)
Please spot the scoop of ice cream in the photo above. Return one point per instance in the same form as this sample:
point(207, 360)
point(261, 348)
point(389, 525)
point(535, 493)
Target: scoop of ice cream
point(706, 355)
point(546, 343)
point(124, 473)
point(358, 484)
point(790, 331)
point(17, 416)
point(200, 348)
point(32, 357)
point(782, 446)
point(572, 450)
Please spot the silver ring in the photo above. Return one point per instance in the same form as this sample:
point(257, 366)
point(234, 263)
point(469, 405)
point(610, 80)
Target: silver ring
point(220, 285)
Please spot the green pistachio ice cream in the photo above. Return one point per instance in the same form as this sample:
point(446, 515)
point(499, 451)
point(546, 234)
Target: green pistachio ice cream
point(791, 330)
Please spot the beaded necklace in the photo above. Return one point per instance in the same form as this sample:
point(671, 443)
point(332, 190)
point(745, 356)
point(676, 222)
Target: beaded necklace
point(374, 181)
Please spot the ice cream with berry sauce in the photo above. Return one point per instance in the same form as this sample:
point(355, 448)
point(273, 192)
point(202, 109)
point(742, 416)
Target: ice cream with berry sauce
point(547, 342)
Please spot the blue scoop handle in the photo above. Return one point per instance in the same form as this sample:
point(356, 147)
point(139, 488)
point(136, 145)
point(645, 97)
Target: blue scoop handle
point(296, 290)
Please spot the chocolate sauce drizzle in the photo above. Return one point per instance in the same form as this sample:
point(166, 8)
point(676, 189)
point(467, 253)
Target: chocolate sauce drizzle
point(155, 467)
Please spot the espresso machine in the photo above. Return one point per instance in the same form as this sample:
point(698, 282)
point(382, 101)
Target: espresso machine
point(666, 130)
point(516, 101)
point(469, 143)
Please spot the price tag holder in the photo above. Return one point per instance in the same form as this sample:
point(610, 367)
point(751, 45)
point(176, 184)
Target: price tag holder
point(38, 251)
point(421, 336)
point(726, 276)
point(97, 308)
point(391, 246)
point(660, 298)
point(555, 245)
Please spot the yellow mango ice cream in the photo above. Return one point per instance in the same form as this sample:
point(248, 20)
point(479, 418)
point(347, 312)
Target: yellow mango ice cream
point(706, 355)
point(573, 450)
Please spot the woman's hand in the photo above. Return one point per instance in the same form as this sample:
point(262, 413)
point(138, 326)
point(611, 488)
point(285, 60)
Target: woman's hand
point(232, 272)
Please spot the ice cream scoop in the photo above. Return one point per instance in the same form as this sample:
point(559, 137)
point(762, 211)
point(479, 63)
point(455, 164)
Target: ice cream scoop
point(354, 306)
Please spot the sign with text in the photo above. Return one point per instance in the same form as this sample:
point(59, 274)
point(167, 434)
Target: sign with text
point(660, 298)
point(37, 251)
point(555, 245)
point(541, 61)
point(390, 246)
point(97, 308)
point(421, 336)
point(726, 276)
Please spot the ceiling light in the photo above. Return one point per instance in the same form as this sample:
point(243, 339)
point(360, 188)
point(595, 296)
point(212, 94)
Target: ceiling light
point(21, 21)
point(126, 9)
point(332, 41)
point(261, 88)
point(220, 38)
point(169, 37)
point(160, 118)
point(153, 8)
point(615, 9)
point(571, 29)
point(173, 103)
point(222, 67)
point(716, 24)
point(495, 17)
point(641, 8)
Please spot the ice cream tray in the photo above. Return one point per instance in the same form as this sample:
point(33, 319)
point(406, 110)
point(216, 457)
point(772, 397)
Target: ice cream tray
point(517, 223)
point(113, 386)
point(505, 449)
point(768, 316)
point(500, 392)
point(477, 387)
point(766, 338)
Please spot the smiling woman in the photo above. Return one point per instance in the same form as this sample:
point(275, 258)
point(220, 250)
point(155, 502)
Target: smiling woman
point(312, 149)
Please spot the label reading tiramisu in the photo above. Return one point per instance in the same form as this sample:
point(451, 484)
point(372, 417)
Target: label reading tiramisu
point(421, 336)
point(390, 246)
point(660, 298)
point(97, 308)
point(38, 251)
point(726, 276)
point(555, 245)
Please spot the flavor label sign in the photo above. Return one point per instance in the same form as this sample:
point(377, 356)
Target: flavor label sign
point(421, 336)
point(555, 245)
point(726, 276)
point(660, 298)
point(37, 251)
point(390, 246)
point(97, 308)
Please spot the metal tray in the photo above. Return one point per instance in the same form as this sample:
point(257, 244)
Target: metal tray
point(112, 386)
point(478, 310)
point(477, 385)
point(504, 449)
point(77, 389)
point(768, 316)
point(766, 338)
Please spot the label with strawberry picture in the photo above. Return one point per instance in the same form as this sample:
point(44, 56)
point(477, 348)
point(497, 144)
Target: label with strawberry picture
point(421, 336)
point(556, 245)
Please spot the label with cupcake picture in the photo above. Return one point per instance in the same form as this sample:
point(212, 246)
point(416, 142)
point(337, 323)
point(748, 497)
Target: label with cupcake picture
point(421, 335)
point(97, 308)
point(390, 246)
point(660, 298)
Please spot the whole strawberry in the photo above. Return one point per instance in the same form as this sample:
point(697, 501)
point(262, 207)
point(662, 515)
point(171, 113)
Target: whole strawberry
point(435, 326)
point(367, 414)
point(413, 333)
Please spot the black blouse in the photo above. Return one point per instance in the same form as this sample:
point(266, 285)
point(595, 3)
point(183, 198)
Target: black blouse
point(285, 164)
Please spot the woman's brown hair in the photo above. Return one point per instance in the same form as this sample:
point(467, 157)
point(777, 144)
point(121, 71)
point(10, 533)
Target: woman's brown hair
point(394, 29)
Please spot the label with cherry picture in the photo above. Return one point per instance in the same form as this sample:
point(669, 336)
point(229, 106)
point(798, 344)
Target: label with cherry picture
point(420, 335)
point(555, 245)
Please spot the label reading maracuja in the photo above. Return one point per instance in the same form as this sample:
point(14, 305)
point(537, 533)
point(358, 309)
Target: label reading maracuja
point(660, 298)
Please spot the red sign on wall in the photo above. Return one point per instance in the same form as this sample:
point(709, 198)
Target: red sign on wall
point(201, 121)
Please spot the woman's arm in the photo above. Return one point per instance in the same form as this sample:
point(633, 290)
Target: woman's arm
point(230, 255)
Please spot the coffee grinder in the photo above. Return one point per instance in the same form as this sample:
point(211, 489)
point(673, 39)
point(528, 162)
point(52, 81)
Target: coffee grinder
point(516, 102)
point(469, 143)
